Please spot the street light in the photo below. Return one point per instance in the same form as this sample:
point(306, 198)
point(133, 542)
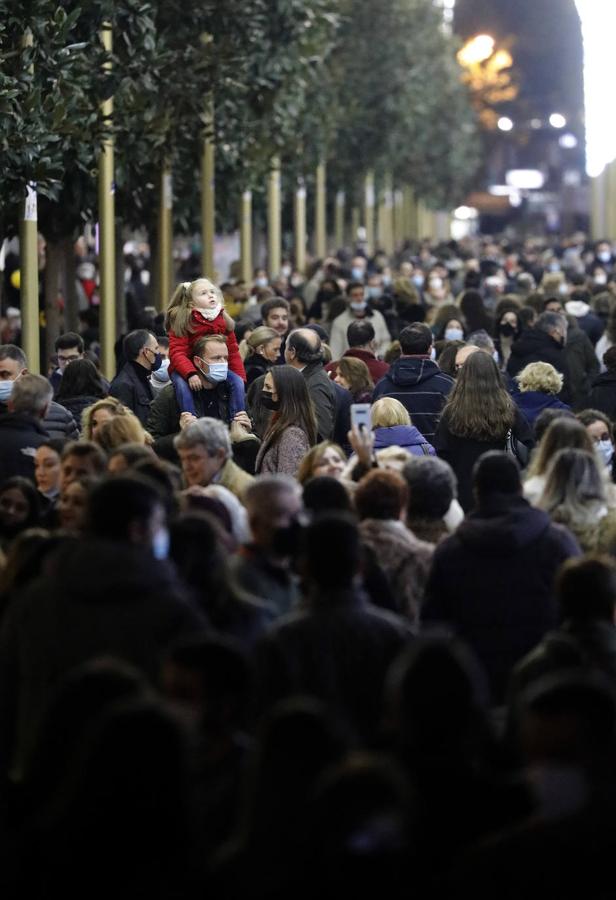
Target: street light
point(557, 120)
point(598, 30)
point(477, 50)
point(504, 124)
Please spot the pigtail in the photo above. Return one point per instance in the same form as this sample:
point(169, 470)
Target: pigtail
point(177, 319)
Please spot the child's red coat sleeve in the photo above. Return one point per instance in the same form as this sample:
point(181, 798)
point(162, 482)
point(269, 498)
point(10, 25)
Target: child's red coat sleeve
point(235, 360)
point(180, 357)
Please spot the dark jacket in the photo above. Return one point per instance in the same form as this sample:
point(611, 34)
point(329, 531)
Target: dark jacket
point(535, 345)
point(76, 406)
point(588, 321)
point(163, 422)
point(20, 435)
point(421, 387)
point(60, 423)
point(274, 585)
point(583, 366)
point(406, 436)
point(131, 387)
point(377, 368)
point(256, 365)
point(492, 581)
point(532, 403)
point(338, 650)
point(603, 394)
point(323, 393)
point(463, 452)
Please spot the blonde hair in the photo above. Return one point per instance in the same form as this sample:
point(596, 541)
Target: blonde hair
point(259, 337)
point(387, 412)
point(313, 458)
point(540, 376)
point(114, 406)
point(120, 430)
point(393, 458)
point(180, 307)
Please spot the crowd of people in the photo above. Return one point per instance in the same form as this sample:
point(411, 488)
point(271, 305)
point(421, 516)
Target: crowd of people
point(249, 644)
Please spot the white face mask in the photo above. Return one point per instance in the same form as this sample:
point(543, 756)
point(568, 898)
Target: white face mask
point(6, 389)
point(454, 334)
point(433, 354)
point(601, 279)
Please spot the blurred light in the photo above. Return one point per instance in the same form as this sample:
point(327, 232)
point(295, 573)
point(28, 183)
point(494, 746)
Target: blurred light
point(598, 29)
point(535, 124)
point(477, 50)
point(525, 179)
point(502, 59)
point(515, 198)
point(568, 141)
point(466, 212)
point(504, 123)
point(500, 190)
point(557, 120)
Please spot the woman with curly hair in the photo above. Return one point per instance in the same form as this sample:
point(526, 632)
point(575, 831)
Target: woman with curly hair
point(538, 387)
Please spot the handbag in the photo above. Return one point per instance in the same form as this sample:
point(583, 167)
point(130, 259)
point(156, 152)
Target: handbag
point(516, 449)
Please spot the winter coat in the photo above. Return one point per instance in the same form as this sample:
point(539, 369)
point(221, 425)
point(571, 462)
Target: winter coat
point(322, 390)
point(285, 454)
point(338, 338)
point(492, 582)
point(60, 423)
point(587, 320)
point(535, 345)
point(406, 436)
point(181, 347)
point(376, 367)
point(532, 403)
point(404, 559)
point(20, 435)
point(132, 387)
point(463, 452)
point(583, 366)
point(76, 406)
point(603, 394)
point(421, 387)
point(163, 422)
point(256, 365)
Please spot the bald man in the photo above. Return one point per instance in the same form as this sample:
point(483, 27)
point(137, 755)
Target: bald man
point(303, 352)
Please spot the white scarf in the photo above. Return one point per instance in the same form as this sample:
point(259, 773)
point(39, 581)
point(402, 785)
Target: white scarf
point(210, 314)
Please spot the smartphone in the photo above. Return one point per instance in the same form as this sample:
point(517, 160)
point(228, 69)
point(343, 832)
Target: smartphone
point(360, 416)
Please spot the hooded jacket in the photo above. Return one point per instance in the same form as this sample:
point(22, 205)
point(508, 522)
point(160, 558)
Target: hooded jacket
point(535, 345)
point(20, 435)
point(532, 403)
point(492, 582)
point(421, 387)
point(587, 319)
point(406, 436)
point(603, 394)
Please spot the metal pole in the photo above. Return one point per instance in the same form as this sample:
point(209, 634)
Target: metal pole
point(165, 237)
point(339, 220)
point(300, 226)
point(106, 215)
point(273, 219)
point(28, 265)
point(246, 238)
point(320, 243)
point(208, 203)
point(369, 212)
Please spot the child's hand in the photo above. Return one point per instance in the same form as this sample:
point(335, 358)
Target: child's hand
point(194, 383)
point(185, 419)
point(229, 322)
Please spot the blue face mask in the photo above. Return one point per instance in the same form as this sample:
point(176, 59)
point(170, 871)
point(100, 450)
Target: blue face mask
point(160, 544)
point(218, 372)
point(386, 280)
point(418, 281)
point(454, 334)
point(373, 292)
point(357, 273)
point(358, 306)
point(6, 389)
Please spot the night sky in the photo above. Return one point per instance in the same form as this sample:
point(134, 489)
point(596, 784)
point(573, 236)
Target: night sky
point(547, 49)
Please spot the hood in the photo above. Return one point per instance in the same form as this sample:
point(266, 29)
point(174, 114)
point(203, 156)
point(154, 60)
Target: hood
point(503, 526)
point(577, 308)
point(412, 370)
point(398, 436)
point(535, 401)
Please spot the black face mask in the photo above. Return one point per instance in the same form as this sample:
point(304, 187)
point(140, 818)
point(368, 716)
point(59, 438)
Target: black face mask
point(268, 403)
point(507, 329)
point(286, 541)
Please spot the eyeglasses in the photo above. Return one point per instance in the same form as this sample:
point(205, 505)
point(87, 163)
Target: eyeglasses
point(67, 359)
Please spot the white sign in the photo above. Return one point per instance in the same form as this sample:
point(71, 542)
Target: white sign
point(30, 209)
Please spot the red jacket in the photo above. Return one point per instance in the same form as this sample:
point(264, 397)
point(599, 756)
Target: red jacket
point(181, 348)
point(376, 368)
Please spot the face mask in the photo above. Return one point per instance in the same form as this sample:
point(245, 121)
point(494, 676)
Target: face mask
point(554, 267)
point(436, 284)
point(604, 256)
point(600, 279)
point(268, 403)
point(507, 329)
point(358, 306)
point(6, 388)
point(285, 271)
point(495, 356)
point(373, 292)
point(606, 449)
point(563, 289)
point(418, 280)
point(454, 334)
point(218, 372)
point(357, 273)
point(261, 282)
point(286, 541)
point(158, 361)
point(386, 280)
point(160, 544)
point(433, 354)
point(210, 314)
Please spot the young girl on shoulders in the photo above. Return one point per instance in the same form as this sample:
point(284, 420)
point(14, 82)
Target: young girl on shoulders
point(197, 309)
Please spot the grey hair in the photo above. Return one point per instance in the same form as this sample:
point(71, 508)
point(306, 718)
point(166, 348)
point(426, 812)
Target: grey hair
point(432, 486)
point(11, 351)
point(481, 339)
point(206, 432)
point(259, 492)
point(31, 394)
point(549, 320)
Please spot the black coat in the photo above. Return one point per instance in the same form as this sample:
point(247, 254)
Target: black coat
point(535, 345)
point(421, 387)
point(76, 406)
point(132, 388)
point(163, 422)
point(463, 452)
point(603, 394)
point(20, 435)
point(255, 366)
point(492, 582)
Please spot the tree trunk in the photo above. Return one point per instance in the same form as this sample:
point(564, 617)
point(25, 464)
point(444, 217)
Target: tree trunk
point(120, 283)
point(69, 286)
point(53, 266)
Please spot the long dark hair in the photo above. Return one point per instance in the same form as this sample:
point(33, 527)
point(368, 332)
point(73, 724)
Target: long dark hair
point(80, 379)
point(473, 310)
point(479, 406)
point(296, 406)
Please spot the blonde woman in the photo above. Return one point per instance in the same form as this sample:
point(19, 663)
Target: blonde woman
point(562, 434)
point(325, 458)
point(121, 430)
point(539, 385)
point(392, 427)
point(102, 411)
point(263, 350)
